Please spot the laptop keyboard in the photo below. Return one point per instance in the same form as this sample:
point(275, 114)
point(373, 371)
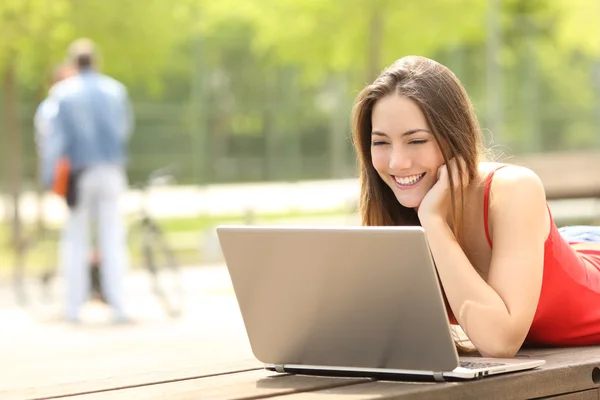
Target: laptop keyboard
point(478, 365)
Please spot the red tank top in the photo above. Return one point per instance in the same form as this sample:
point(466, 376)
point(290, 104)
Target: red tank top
point(568, 311)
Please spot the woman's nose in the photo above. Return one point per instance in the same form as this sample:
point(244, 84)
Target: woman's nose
point(400, 160)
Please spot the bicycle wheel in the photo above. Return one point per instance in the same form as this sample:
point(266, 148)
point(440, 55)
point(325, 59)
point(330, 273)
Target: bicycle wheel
point(161, 263)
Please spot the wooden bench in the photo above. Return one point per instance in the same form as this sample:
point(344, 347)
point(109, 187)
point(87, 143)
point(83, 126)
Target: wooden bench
point(569, 373)
point(568, 175)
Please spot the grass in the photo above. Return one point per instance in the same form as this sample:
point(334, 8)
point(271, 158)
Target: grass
point(184, 235)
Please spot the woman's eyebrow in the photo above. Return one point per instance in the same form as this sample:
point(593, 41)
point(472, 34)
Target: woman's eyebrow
point(377, 133)
point(408, 132)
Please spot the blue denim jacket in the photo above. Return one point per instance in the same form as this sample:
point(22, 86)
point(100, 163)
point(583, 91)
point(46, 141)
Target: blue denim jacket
point(89, 121)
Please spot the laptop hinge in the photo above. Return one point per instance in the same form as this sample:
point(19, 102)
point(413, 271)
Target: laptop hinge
point(438, 377)
point(279, 368)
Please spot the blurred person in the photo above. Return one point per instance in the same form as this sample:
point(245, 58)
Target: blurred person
point(43, 141)
point(509, 275)
point(91, 128)
point(42, 121)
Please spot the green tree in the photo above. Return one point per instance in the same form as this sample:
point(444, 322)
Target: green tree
point(31, 30)
point(352, 36)
point(339, 45)
point(136, 39)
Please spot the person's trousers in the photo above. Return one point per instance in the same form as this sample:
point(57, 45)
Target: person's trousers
point(99, 189)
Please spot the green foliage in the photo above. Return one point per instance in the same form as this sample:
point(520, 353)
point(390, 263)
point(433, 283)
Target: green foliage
point(246, 87)
point(339, 36)
point(577, 29)
point(136, 37)
point(33, 35)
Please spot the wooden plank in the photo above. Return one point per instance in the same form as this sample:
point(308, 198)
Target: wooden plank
point(389, 390)
point(592, 394)
point(380, 390)
point(567, 370)
point(134, 380)
point(565, 175)
point(242, 385)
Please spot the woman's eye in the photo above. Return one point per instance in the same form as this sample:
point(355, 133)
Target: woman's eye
point(419, 141)
point(379, 143)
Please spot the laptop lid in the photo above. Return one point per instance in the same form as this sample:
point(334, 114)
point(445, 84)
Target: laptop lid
point(362, 297)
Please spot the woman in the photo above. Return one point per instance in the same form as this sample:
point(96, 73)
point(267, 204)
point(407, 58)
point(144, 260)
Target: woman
point(508, 275)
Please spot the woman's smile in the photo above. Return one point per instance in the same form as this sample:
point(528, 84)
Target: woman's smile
point(408, 182)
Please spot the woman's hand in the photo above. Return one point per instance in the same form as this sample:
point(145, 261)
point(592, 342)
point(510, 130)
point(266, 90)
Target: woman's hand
point(437, 201)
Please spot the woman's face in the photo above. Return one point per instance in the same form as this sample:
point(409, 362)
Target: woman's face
point(403, 150)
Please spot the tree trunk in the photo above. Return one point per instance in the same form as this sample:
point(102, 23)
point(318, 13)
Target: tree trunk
point(39, 188)
point(596, 86)
point(374, 44)
point(533, 136)
point(14, 168)
point(339, 134)
point(494, 118)
point(201, 155)
point(270, 129)
point(292, 141)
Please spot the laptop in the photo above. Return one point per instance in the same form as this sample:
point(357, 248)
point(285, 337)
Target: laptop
point(347, 301)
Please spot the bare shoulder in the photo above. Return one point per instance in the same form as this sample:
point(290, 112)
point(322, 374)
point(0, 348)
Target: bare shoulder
point(515, 184)
point(518, 200)
point(517, 178)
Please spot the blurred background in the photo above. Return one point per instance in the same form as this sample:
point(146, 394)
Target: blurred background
point(233, 92)
point(247, 102)
point(244, 99)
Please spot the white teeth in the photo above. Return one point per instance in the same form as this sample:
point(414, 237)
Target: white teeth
point(409, 180)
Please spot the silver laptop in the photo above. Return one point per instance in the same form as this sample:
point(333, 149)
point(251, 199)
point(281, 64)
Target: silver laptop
point(356, 300)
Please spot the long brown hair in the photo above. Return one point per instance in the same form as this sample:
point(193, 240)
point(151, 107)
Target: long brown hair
point(450, 116)
point(449, 113)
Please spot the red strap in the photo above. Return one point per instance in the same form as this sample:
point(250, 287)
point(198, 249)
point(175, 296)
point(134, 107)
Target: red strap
point(486, 199)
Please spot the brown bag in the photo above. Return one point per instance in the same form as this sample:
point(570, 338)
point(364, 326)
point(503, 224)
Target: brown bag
point(62, 171)
point(65, 181)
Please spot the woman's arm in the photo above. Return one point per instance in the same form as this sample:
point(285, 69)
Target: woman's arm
point(496, 315)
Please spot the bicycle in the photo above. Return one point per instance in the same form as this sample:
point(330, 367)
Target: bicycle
point(165, 277)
